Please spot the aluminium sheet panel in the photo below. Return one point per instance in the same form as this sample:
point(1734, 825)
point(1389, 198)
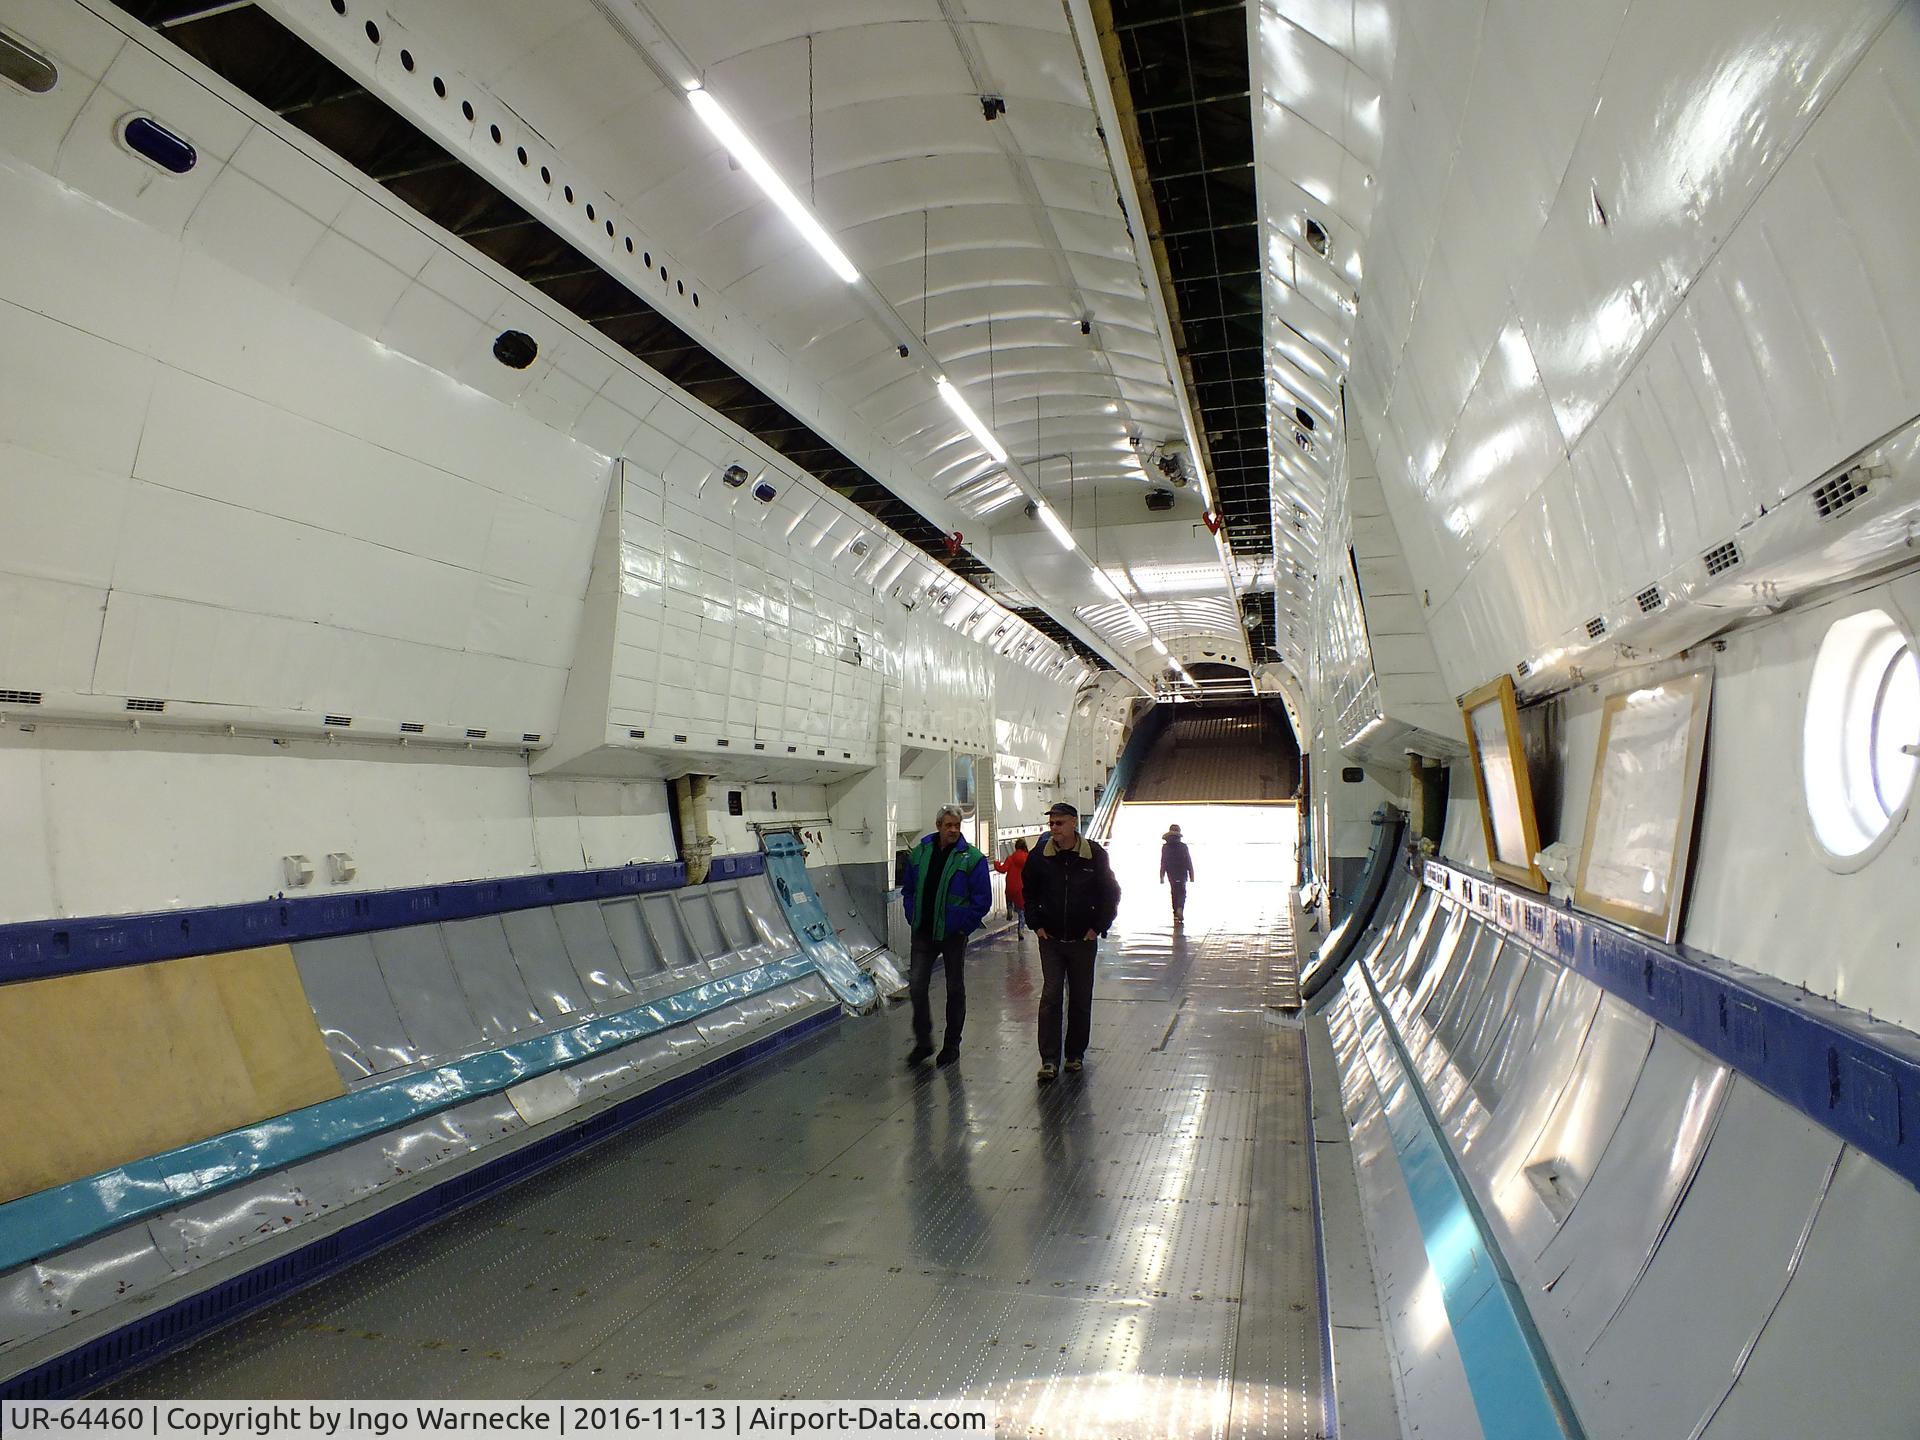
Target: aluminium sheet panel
point(1448, 946)
point(1411, 949)
point(632, 942)
point(1470, 990)
point(1476, 1038)
point(669, 931)
point(496, 991)
point(812, 990)
point(590, 948)
point(769, 920)
point(1511, 1044)
point(51, 1293)
point(837, 901)
point(703, 926)
point(1699, 1298)
point(1836, 1356)
point(1581, 1277)
point(1498, 1147)
point(599, 1075)
point(541, 956)
point(727, 1023)
point(426, 992)
point(731, 911)
point(1533, 1199)
point(349, 996)
point(208, 1229)
point(1388, 938)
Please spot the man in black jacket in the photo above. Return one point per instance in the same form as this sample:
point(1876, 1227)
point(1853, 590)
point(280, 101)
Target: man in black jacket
point(1072, 898)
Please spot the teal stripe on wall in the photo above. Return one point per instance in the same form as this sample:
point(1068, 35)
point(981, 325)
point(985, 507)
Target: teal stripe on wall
point(56, 1219)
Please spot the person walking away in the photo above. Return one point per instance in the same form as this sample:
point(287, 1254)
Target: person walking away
point(946, 895)
point(1072, 898)
point(1176, 868)
point(1014, 868)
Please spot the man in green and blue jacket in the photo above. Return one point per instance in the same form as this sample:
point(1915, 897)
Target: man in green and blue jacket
point(947, 893)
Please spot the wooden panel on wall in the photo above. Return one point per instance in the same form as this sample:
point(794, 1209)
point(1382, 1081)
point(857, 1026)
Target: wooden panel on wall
point(107, 1067)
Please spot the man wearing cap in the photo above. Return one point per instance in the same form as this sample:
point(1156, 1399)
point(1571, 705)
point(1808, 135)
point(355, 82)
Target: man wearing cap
point(1072, 898)
point(946, 894)
point(1176, 868)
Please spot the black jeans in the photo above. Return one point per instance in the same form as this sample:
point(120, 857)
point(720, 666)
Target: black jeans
point(1066, 964)
point(1179, 895)
point(948, 952)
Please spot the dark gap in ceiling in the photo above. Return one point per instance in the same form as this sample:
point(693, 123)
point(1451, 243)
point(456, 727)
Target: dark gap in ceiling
point(1058, 633)
point(280, 71)
point(1189, 82)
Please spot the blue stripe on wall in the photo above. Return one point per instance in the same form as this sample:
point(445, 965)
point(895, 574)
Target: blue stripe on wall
point(38, 949)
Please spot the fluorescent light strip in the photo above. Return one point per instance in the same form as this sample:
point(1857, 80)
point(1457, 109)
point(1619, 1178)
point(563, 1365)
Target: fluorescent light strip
point(957, 403)
point(1052, 522)
point(1106, 586)
point(1160, 646)
point(729, 134)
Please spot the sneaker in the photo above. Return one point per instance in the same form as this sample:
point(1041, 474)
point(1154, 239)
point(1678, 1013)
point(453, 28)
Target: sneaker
point(1074, 1067)
point(919, 1052)
point(948, 1054)
point(1048, 1070)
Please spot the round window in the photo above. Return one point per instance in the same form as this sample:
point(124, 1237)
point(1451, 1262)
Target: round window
point(1862, 734)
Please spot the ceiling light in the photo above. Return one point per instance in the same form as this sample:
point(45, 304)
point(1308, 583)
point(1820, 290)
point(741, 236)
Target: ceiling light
point(1160, 646)
point(1052, 522)
point(729, 134)
point(1107, 587)
point(957, 403)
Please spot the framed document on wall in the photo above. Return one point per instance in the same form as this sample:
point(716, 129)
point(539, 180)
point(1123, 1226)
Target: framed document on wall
point(1646, 787)
point(1500, 780)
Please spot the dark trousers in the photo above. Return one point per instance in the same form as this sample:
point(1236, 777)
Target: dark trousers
point(1066, 964)
point(1179, 895)
point(948, 952)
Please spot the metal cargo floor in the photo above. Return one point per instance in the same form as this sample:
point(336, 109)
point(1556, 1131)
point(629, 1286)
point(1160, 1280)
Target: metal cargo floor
point(1126, 1252)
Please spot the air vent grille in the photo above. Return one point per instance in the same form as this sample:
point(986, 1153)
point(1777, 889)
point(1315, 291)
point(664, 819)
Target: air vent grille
point(412, 727)
point(1650, 600)
point(19, 697)
point(147, 707)
point(1839, 493)
point(636, 734)
point(1596, 627)
point(338, 722)
point(476, 734)
point(1523, 669)
point(529, 739)
point(1722, 558)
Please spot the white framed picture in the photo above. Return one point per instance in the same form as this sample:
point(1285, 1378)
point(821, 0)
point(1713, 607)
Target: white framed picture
point(1646, 788)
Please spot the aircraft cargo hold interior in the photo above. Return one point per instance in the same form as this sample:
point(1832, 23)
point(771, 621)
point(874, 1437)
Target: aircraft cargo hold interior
point(1048, 718)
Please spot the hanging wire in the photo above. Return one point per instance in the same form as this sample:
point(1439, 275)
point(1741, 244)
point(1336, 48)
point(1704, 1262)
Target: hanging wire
point(813, 196)
point(993, 393)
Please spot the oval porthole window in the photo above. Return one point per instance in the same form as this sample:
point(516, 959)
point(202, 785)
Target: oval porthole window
point(151, 140)
point(1862, 732)
point(29, 69)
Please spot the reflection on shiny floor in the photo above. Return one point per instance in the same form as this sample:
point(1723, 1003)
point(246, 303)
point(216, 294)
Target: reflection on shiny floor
point(1128, 1252)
